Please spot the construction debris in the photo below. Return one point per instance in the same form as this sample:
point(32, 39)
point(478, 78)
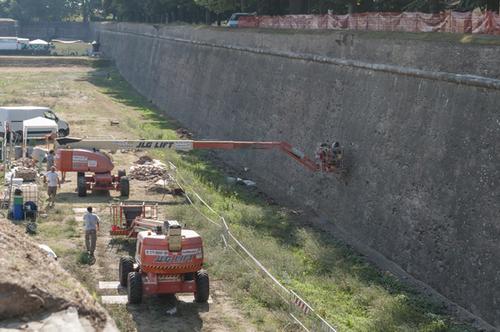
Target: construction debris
point(166, 186)
point(164, 182)
point(172, 311)
point(24, 168)
point(158, 190)
point(144, 159)
point(184, 133)
point(233, 180)
point(148, 170)
point(24, 162)
point(25, 173)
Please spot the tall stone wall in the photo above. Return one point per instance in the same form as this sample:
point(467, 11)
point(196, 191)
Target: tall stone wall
point(422, 140)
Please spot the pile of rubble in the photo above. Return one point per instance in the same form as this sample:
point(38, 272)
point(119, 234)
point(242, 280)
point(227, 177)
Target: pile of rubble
point(25, 168)
point(147, 169)
point(184, 133)
point(166, 185)
point(24, 162)
point(25, 173)
point(143, 160)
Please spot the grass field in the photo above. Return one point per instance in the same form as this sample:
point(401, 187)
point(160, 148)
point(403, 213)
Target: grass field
point(338, 283)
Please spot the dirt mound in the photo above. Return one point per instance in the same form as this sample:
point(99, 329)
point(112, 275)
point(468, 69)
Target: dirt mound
point(31, 283)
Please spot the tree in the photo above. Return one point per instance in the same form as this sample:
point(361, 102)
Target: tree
point(89, 8)
point(5, 8)
point(38, 10)
point(218, 6)
point(158, 11)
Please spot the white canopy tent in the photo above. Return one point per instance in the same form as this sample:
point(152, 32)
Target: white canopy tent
point(39, 45)
point(38, 42)
point(37, 128)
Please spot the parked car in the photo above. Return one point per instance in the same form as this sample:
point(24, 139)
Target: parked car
point(233, 20)
point(17, 114)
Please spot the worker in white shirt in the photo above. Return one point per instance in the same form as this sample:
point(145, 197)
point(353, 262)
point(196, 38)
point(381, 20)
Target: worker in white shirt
point(52, 179)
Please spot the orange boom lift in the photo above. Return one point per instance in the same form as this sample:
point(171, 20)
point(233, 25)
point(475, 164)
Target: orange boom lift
point(84, 156)
point(168, 260)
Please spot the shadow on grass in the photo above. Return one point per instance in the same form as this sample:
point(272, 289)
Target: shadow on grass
point(94, 197)
point(106, 197)
point(116, 87)
point(152, 314)
point(84, 258)
point(123, 243)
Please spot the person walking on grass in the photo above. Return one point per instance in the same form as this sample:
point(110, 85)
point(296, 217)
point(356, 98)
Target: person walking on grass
point(52, 179)
point(91, 225)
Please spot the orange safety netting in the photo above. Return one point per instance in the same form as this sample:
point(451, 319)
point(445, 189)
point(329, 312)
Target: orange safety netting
point(458, 22)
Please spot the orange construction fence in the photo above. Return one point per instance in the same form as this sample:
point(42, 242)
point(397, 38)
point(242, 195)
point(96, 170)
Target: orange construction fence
point(449, 21)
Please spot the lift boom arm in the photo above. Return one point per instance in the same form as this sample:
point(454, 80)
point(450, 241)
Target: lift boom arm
point(324, 163)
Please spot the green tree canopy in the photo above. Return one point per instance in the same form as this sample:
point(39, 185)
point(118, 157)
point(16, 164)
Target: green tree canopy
point(201, 10)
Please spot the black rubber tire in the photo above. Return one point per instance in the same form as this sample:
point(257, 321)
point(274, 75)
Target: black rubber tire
point(124, 187)
point(134, 287)
point(31, 228)
point(62, 133)
point(125, 266)
point(202, 287)
point(122, 173)
point(81, 185)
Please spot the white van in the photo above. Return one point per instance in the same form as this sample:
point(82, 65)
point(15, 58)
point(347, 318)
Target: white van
point(8, 44)
point(14, 44)
point(17, 114)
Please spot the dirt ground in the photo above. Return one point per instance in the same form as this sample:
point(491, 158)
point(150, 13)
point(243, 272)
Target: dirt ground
point(89, 113)
point(219, 315)
point(31, 294)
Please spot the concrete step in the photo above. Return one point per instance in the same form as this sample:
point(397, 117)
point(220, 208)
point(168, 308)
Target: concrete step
point(114, 299)
point(189, 298)
point(110, 285)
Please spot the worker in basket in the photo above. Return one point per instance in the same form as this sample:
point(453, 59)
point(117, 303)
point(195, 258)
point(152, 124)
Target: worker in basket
point(329, 156)
point(337, 152)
